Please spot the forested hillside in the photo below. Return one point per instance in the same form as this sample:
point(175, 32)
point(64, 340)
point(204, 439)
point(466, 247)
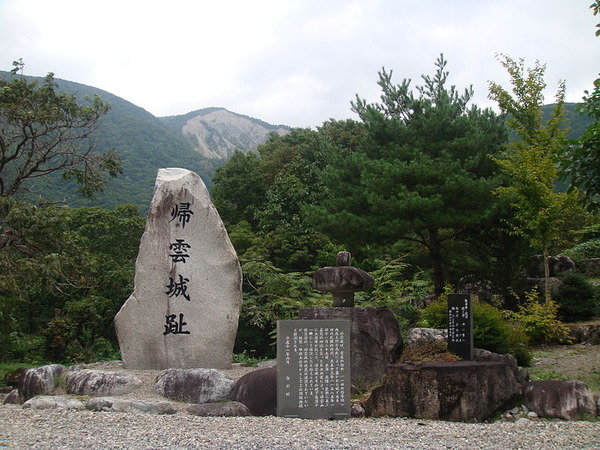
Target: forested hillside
point(144, 143)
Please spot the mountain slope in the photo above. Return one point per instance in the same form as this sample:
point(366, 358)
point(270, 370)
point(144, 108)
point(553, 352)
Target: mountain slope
point(146, 143)
point(216, 133)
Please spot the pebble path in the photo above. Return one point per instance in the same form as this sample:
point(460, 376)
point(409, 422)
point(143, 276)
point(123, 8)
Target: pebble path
point(64, 429)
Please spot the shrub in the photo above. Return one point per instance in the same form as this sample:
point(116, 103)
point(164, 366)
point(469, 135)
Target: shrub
point(576, 298)
point(490, 330)
point(540, 319)
point(431, 351)
point(585, 250)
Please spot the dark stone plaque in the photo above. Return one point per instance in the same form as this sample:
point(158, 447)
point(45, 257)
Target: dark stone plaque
point(460, 325)
point(313, 369)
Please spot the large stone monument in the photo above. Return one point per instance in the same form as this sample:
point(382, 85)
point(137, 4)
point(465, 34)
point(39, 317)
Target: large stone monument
point(184, 309)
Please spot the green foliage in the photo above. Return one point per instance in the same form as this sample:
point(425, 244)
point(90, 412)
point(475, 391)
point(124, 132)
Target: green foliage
point(43, 131)
point(577, 299)
point(65, 274)
point(580, 162)
point(271, 295)
point(530, 162)
point(421, 173)
point(395, 291)
point(585, 250)
point(540, 320)
point(239, 188)
point(490, 330)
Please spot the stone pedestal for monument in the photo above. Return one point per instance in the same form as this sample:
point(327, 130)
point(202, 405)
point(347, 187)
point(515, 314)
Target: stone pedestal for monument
point(463, 391)
point(375, 339)
point(185, 307)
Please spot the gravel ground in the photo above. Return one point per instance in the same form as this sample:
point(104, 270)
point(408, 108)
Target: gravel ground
point(64, 429)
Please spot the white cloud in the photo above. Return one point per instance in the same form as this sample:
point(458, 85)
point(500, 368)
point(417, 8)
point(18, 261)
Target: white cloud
point(291, 61)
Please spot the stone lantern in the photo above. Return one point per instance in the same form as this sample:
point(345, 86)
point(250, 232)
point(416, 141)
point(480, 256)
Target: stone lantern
point(342, 281)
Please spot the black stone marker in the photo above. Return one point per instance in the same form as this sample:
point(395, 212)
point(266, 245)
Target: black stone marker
point(313, 369)
point(460, 325)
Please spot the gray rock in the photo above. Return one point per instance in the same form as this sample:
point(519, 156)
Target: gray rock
point(194, 385)
point(568, 400)
point(98, 383)
point(520, 373)
point(420, 336)
point(40, 380)
point(592, 267)
point(52, 402)
point(12, 398)
point(357, 411)
point(185, 307)
point(585, 334)
point(522, 421)
point(464, 391)
point(228, 409)
point(375, 339)
point(129, 406)
point(258, 391)
point(267, 364)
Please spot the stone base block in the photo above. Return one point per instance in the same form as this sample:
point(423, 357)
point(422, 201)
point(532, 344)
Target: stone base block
point(463, 391)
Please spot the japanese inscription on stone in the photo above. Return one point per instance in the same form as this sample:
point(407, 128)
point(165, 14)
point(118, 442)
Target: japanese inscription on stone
point(313, 379)
point(184, 310)
point(460, 325)
point(179, 252)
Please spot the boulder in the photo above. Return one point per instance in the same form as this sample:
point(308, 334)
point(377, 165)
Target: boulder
point(11, 378)
point(464, 391)
point(12, 398)
point(481, 355)
point(568, 400)
point(258, 391)
point(98, 383)
point(357, 411)
point(375, 339)
point(40, 380)
point(52, 402)
point(187, 296)
point(420, 336)
point(227, 409)
point(585, 334)
point(129, 406)
point(592, 267)
point(194, 385)
point(558, 265)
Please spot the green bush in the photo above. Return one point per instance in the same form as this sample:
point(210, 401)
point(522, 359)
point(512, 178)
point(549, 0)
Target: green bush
point(490, 330)
point(576, 298)
point(585, 250)
point(540, 319)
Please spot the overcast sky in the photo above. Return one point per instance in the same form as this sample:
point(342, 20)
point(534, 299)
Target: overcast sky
point(294, 62)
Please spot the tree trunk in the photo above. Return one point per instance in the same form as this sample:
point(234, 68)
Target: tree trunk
point(435, 252)
point(546, 275)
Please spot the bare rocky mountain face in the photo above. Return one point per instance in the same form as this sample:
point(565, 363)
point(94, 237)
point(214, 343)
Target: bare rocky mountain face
point(217, 133)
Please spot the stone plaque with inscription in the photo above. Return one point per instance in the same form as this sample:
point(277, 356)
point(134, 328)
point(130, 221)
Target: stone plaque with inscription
point(460, 325)
point(313, 364)
point(187, 296)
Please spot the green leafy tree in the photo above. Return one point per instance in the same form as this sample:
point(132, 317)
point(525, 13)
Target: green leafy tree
point(421, 174)
point(530, 161)
point(64, 275)
point(43, 131)
point(581, 162)
point(239, 188)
